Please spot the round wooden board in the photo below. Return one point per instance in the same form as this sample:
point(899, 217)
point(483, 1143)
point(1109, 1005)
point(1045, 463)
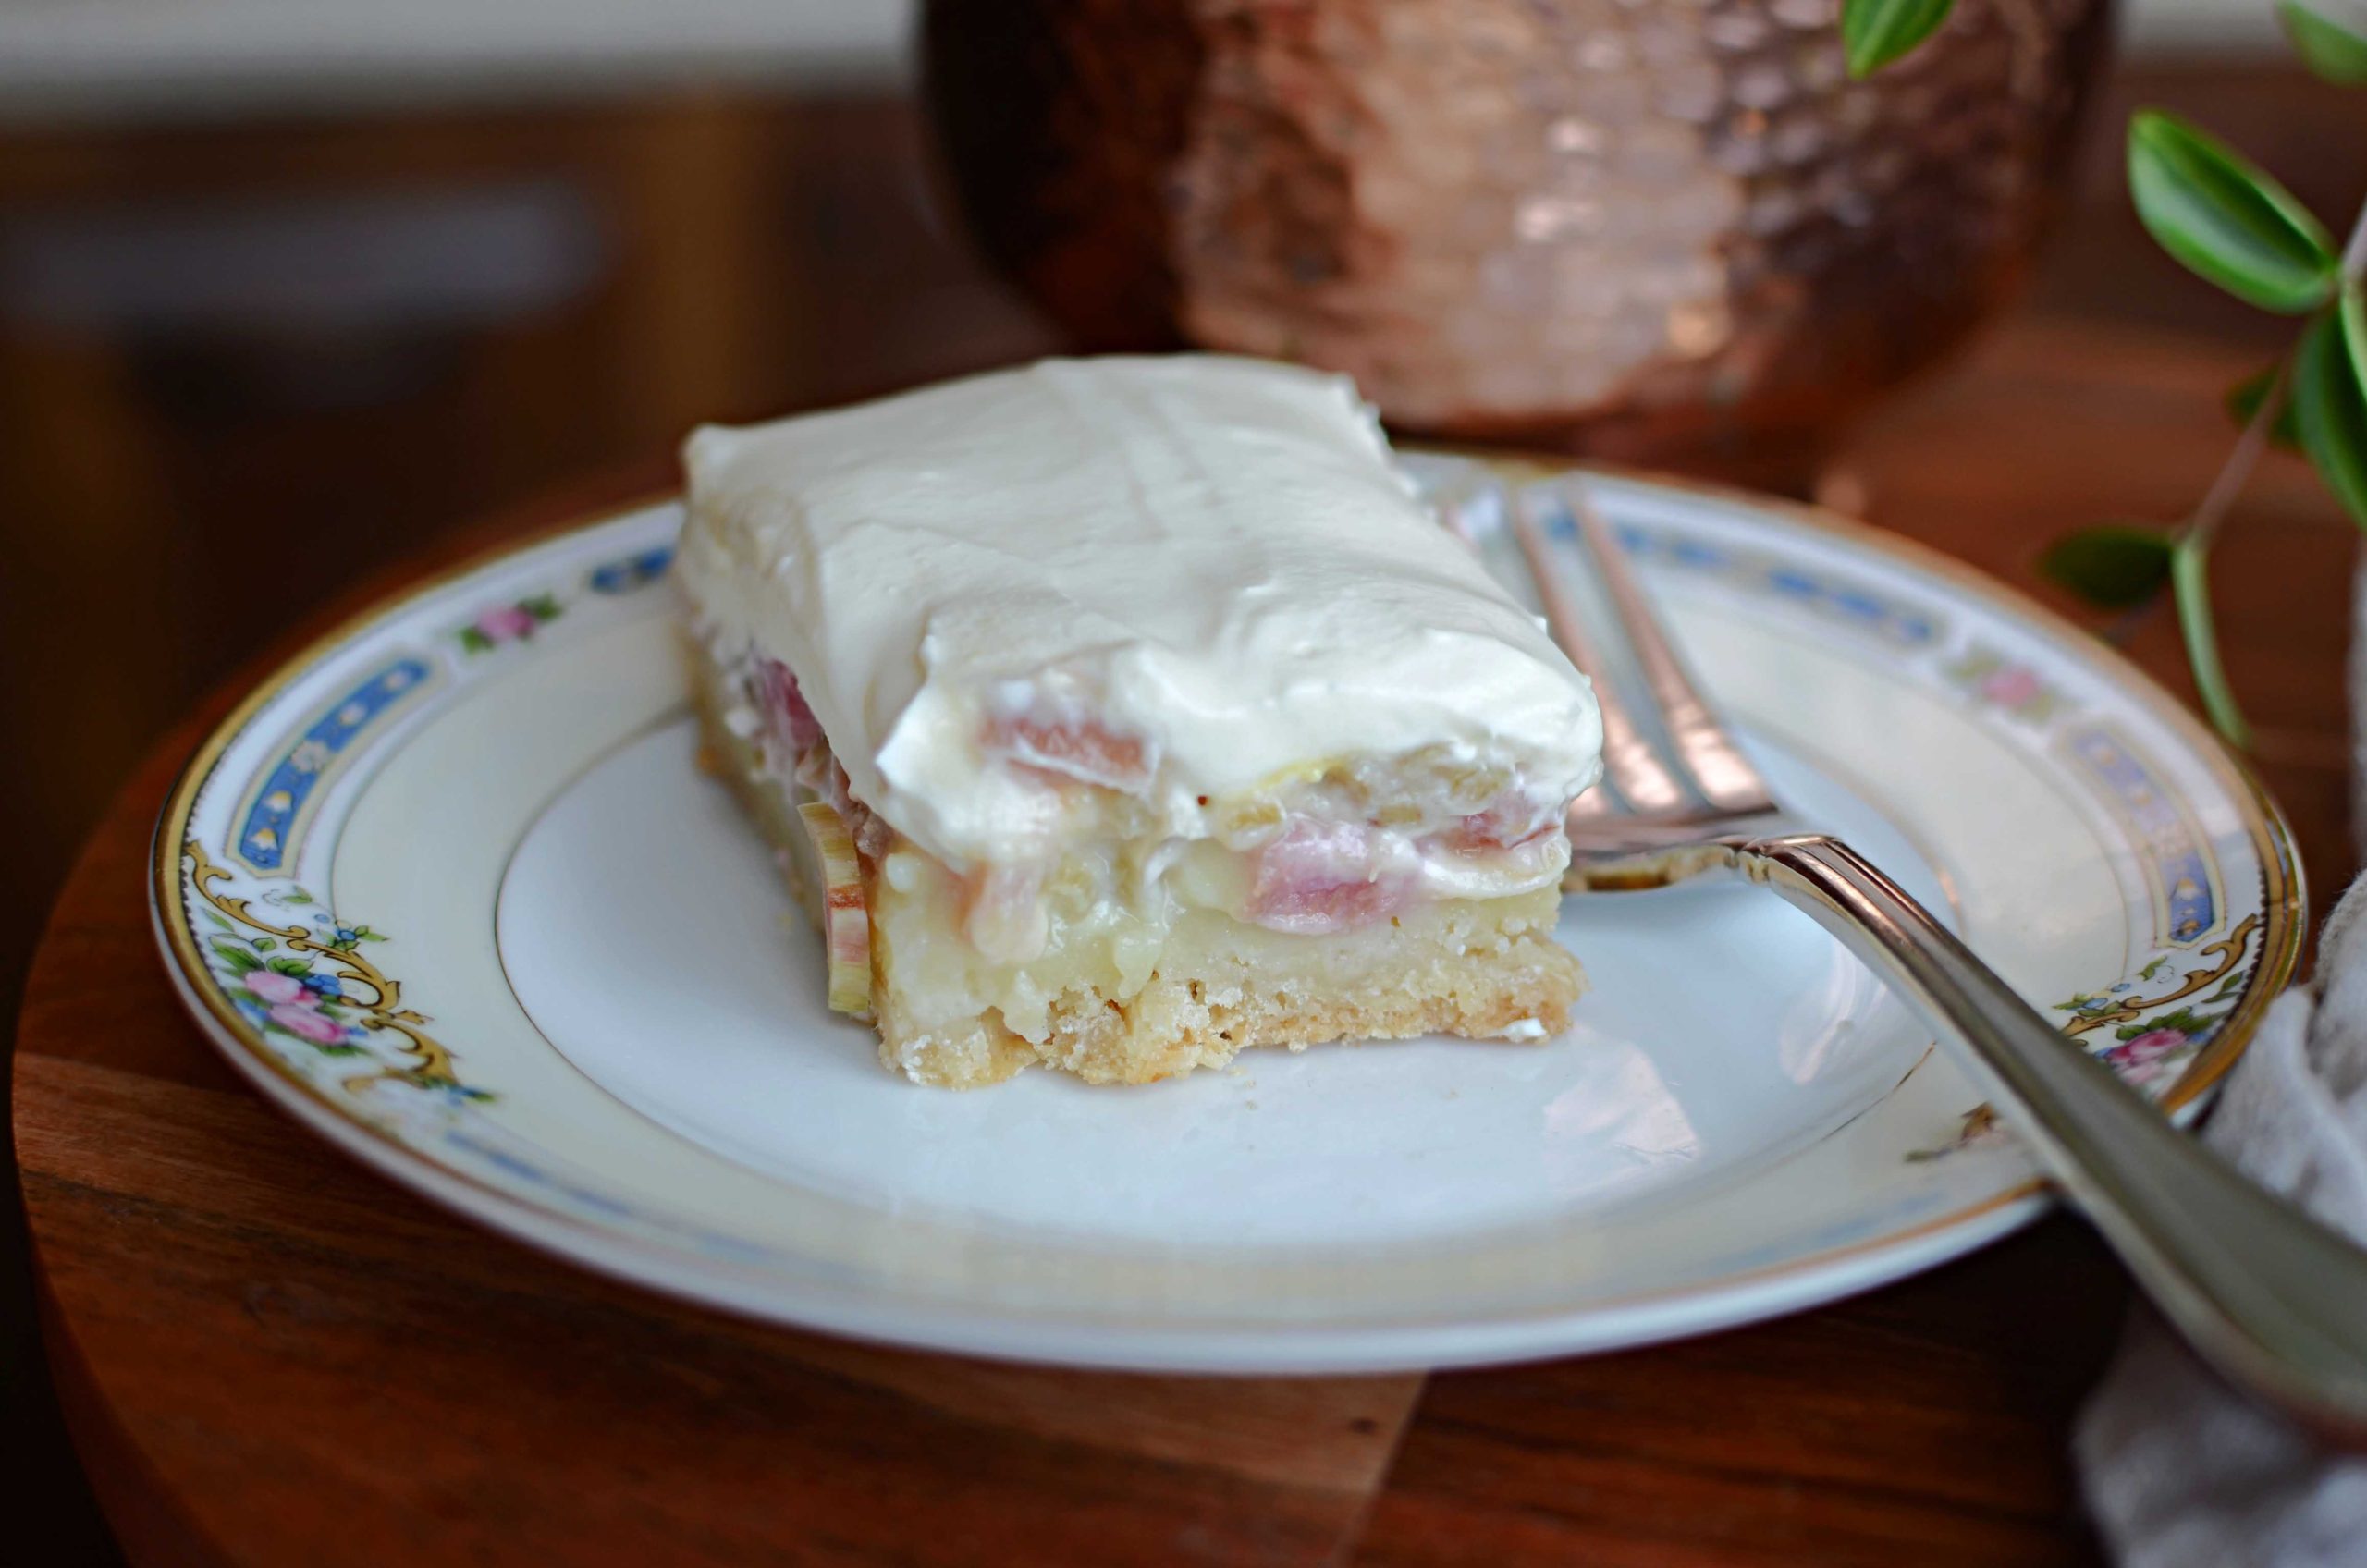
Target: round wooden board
point(269, 1356)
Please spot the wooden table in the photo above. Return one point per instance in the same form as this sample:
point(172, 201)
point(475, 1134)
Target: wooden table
point(269, 1356)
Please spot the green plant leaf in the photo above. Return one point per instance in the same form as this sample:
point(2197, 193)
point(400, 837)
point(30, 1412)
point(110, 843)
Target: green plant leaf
point(2335, 50)
point(2330, 401)
point(2190, 576)
point(1875, 32)
point(240, 959)
point(2225, 218)
point(2115, 565)
point(2243, 403)
point(2352, 310)
point(294, 968)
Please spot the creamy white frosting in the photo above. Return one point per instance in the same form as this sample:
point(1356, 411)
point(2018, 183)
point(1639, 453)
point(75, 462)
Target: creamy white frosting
point(1210, 555)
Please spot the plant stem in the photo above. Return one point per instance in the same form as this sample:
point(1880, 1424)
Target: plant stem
point(2190, 553)
point(2190, 583)
point(2203, 525)
point(2189, 562)
point(2191, 541)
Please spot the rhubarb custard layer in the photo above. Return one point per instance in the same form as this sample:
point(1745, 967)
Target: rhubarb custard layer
point(1116, 716)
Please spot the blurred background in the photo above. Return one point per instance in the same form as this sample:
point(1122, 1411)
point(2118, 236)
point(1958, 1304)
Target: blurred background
point(289, 288)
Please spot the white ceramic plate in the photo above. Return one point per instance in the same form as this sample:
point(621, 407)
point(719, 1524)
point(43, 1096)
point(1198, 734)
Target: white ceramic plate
point(450, 890)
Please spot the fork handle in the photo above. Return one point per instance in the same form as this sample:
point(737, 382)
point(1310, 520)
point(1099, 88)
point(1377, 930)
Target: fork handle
point(2273, 1299)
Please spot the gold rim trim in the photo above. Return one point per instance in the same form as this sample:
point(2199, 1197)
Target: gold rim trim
point(2284, 900)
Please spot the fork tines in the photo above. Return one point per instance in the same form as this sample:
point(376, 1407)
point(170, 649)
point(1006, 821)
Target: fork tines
point(1679, 765)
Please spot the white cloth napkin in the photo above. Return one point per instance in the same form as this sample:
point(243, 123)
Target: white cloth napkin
point(2179, 1471)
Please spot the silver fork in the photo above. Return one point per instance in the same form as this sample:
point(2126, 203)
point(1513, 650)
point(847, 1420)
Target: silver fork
point(2273, 1300)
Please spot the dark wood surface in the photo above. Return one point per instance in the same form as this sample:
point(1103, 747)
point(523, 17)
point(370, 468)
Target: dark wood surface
point(269, 1356)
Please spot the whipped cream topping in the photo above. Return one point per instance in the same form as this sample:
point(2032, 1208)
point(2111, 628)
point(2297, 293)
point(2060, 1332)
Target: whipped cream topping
point(1182, 578)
